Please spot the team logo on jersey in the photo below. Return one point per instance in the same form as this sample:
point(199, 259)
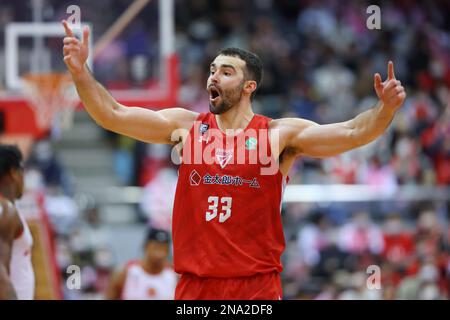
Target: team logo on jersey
point(223, 156)
point(203, 129)
point(254, 183)
point(151, 292)
point(250, 143)
point(227, 180)
point(194, 178)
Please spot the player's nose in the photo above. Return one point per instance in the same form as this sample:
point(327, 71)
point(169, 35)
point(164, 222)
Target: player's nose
point(214, 77)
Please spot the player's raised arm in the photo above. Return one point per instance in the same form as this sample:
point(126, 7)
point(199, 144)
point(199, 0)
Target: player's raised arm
point(311, 139)
point(139, 123)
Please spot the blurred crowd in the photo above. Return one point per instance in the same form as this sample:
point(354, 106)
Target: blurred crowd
point(402, 255)
point(319, 60)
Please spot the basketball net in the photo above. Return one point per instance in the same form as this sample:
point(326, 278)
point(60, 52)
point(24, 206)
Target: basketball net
point(53, 98)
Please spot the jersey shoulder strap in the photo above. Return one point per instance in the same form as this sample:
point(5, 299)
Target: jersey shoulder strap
point(6, 207)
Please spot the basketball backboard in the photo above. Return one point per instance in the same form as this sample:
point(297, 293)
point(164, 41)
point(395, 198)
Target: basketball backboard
point(157, 90)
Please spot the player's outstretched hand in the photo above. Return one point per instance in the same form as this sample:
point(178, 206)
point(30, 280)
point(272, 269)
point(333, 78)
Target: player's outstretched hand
point(75, 51)
point(390, 92)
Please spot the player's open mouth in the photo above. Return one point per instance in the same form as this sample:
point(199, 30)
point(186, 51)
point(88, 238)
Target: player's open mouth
point(214, 94)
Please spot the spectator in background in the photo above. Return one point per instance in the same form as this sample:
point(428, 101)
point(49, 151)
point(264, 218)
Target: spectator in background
point(157, 199)
point(313, 238)
point(422, 286)
point(44, 159)
point(361, 235)
point(123, 159)
point(399, 242)
point(379, 175)
point(153, 158)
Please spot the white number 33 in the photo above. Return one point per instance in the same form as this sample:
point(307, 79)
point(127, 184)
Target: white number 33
point(226, 208)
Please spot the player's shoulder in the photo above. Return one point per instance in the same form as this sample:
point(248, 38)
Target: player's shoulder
point(288, 123)
point(278, 124)
point(119, 275)
point(134, 263)
point(7, 207)
point(169, 273)
point(182, 112)
point(184, 118)
point(290, 126)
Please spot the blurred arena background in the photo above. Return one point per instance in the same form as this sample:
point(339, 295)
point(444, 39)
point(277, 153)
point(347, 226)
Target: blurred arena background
point(91, 194)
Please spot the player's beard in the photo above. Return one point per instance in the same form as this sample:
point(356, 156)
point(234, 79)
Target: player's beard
point(228, 98)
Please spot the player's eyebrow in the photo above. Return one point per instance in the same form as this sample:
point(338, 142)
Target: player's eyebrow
point(213, 65)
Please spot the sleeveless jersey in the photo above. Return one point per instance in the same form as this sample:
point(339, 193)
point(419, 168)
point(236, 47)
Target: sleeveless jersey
point(21, 267)
point(140, 285)
point(226, 217)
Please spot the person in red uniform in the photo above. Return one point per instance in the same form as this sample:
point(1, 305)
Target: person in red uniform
point(227, 230)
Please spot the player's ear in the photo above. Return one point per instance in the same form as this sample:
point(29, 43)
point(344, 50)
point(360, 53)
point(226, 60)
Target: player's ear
point(250, 86)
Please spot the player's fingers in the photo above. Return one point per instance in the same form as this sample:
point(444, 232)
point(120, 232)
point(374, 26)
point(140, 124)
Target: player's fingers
point(391, 70)
point(377, 79)
point(390, 85)
point(66, 50)
point(71, 47)
point(69, 40)
point(67, 28)
point(86, 35)
point(377, 82)
point(395, 93)
point(68, 60)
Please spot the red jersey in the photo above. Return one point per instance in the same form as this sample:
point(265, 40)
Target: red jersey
point(226, 217)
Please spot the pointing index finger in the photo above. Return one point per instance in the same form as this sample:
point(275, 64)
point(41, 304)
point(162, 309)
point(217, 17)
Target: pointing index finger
point(391, 70)
point(67, 28)
point(86, 35)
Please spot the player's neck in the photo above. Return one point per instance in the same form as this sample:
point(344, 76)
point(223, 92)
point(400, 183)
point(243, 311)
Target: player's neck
point(152, 268)
point(238, 117)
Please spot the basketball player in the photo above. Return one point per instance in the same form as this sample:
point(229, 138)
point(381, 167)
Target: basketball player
point(150, 278)
point(16, 270)
point(227, 231)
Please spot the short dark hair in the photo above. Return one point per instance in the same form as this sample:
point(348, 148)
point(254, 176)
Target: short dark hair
point(253, 64)
point(157, 235)
point(10, 158)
